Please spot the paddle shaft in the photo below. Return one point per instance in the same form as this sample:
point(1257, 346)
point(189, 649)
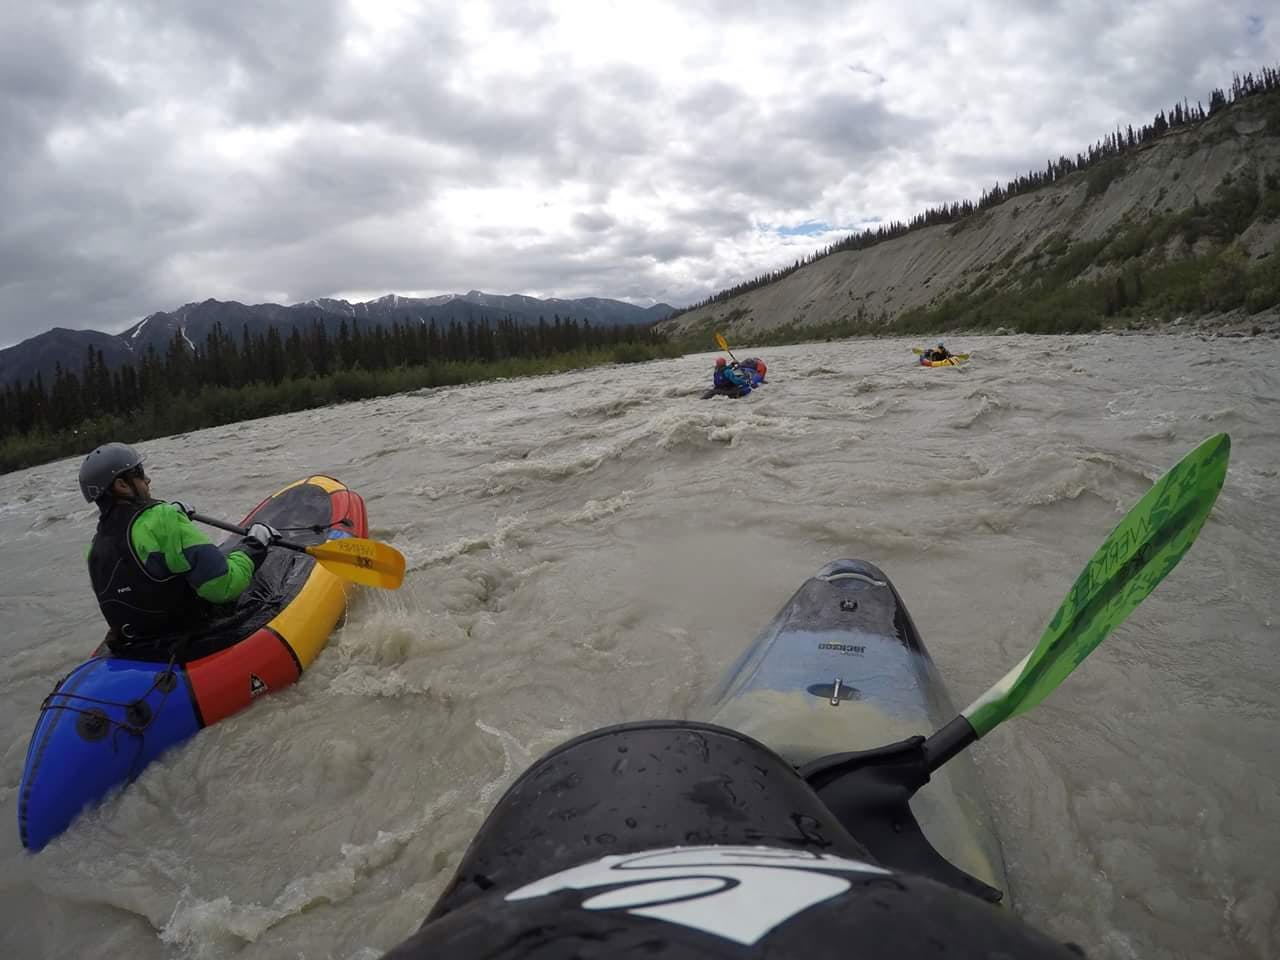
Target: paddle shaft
point(243, 531)
point(947, 742)
point(724, 345)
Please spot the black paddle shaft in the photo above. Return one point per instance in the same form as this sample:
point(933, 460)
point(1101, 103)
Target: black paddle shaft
point(947, 742)
point(244, 531)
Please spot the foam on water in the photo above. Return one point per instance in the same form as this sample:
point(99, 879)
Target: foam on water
point(197, 924)
point(587, 549)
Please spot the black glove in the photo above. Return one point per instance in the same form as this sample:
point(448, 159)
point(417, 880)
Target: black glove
point(182, 508)
point(257, 538)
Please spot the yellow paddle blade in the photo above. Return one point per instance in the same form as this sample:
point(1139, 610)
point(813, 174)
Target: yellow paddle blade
point(917, 351)
point(724, 344)
point(366, 562)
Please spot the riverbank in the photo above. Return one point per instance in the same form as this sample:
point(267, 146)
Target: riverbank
point(215, 406)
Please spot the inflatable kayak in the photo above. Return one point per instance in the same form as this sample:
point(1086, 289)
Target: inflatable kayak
point(111, 716)
point(952, 361)
point(733, 393)
point(842, 668)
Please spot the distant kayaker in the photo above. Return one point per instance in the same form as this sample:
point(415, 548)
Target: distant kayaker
point(154, 573)
point(729, 381)
point(940, 352)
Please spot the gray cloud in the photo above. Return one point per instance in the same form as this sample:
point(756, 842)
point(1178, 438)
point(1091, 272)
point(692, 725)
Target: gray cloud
point(157, 152)
point(846, 124)
point(596, 222)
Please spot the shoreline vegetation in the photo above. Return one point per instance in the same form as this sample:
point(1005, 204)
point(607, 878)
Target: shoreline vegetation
point(1100, 164)
point(220, 383)
point(219, 406)
point(1119, 282)
point(1231, 325)
point(1142, 274)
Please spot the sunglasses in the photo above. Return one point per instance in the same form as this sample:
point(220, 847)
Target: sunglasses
point(136, 473)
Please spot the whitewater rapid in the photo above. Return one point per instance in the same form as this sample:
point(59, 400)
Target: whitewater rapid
point(597, 546)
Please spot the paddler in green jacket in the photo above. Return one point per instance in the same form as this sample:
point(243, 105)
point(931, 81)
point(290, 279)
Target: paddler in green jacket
point(156, 576)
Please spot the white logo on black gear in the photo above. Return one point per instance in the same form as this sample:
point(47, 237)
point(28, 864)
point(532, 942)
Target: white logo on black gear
point(739, 893)
point(256, 686)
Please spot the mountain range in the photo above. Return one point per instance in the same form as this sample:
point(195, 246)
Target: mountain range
point(193, 321)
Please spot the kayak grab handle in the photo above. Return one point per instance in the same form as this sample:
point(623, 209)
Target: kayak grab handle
point(848, 575)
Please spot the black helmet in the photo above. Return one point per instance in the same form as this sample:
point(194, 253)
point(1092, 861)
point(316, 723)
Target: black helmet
point(102, 466)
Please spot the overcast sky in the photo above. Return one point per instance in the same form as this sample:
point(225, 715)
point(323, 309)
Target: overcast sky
point(161, 151)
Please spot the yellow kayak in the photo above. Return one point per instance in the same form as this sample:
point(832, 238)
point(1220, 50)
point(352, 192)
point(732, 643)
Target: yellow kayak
point(952, 361)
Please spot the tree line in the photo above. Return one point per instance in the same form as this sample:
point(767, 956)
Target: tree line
point(1109, 147)
point(270, 358)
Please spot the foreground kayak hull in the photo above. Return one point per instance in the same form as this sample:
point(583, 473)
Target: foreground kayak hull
point(683, 839)
point(842, 668)
point(111, 716)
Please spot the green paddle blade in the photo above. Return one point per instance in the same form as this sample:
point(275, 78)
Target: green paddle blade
point(1140, 552)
